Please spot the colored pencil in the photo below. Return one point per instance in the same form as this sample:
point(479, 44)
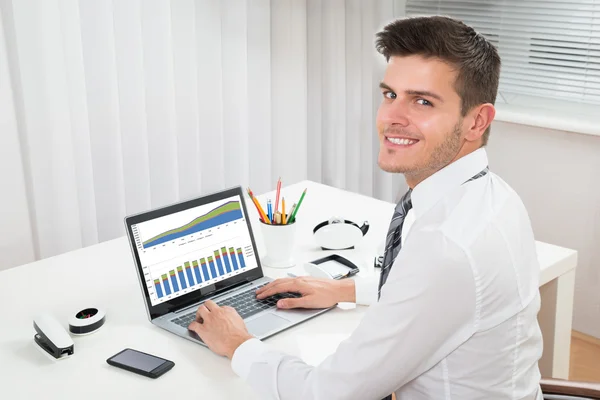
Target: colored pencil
point(293, 217)
point(260, 210)
point(283, 219)
point(255, 206)
point(289, 219)
point(277, 195)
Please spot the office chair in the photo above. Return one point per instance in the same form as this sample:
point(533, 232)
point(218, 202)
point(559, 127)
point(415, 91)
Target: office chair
point(558, 389)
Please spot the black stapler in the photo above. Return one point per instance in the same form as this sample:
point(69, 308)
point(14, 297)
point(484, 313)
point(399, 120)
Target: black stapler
point(52, 337)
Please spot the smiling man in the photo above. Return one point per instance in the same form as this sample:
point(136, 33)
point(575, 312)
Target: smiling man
point(454, 313)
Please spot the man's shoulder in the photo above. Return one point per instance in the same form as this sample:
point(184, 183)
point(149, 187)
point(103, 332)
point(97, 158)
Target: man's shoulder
point(473, 210)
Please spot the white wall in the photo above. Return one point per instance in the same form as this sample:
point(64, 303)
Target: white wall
point(557, 174)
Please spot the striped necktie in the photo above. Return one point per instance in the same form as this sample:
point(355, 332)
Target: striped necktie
point(393, 242)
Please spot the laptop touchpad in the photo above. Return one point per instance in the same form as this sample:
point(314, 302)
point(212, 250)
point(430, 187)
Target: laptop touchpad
point(265, 324)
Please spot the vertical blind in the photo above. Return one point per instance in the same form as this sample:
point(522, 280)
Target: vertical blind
point(549, 48)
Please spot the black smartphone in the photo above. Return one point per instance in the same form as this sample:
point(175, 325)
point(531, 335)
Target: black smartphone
point(141, 363)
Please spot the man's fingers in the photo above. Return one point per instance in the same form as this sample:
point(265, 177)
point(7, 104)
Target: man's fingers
point(270, 285)
point(202, 313)
point(300, 302)
point(211, 305)
point(290, 286)
point(196, 327)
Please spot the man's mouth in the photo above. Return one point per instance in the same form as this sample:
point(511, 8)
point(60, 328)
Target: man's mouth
point(401, 141)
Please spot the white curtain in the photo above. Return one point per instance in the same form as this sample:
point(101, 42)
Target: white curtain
point(344, 71)
point(113, 107)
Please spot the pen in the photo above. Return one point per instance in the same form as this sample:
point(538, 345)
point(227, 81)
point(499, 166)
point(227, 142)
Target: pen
point(346, 275)
point(270, 210)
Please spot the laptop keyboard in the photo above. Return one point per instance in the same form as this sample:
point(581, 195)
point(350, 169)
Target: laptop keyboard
point(245, 303)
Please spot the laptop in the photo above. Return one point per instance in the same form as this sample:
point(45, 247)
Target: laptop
point(202, 249)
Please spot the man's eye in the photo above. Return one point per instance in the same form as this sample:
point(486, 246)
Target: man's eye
point(389, 95)
point(424, 102)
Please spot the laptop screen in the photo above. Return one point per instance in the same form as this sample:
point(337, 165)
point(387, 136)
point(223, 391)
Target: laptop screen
point(191, 249)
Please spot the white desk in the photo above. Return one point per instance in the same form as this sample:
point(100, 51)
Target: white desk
point(104, 275)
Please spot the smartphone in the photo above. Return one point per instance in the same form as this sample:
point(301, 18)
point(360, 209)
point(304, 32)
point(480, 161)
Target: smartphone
point(141, 363)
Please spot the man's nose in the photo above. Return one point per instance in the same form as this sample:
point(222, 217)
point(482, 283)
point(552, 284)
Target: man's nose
point(394, 113)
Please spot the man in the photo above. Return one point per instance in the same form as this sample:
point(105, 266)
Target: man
point(458, 300)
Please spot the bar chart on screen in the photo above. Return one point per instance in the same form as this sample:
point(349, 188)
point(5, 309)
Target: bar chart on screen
point(193, 248)
point(199, 269)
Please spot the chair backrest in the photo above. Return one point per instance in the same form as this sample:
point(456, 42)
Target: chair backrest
point(557, 389)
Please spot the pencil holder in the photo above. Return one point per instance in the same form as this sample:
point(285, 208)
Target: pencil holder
point(279, 245)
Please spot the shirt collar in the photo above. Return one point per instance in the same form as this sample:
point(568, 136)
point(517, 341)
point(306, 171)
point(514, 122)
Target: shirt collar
point(427, 193)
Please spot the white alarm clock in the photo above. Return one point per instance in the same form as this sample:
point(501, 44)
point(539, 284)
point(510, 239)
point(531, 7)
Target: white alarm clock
point(339, 234)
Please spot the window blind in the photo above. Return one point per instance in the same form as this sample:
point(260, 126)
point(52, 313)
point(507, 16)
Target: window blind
point(549, 48)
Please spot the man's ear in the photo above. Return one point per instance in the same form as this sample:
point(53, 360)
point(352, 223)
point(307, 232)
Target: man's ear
point(480, 118)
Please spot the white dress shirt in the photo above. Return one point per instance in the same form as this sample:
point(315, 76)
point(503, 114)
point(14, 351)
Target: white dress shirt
point(457, 318)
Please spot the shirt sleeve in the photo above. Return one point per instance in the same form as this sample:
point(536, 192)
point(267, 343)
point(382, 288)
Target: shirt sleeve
point(412, 328)
point(366, 290)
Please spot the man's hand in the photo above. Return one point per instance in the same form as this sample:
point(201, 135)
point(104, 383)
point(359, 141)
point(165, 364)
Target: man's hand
point(221, 328)
point(316, 292)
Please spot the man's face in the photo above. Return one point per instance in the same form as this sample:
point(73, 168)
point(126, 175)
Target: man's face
point(419, 120)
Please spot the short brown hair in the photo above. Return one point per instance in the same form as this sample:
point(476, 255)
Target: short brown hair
point(475, 58)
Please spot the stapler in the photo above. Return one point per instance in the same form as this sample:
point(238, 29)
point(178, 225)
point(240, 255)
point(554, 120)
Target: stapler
point(52, 337)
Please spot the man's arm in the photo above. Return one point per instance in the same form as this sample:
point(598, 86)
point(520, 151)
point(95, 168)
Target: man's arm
point(322, 293)
point(223, 330)
point(316, 292)
point(427, 310)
